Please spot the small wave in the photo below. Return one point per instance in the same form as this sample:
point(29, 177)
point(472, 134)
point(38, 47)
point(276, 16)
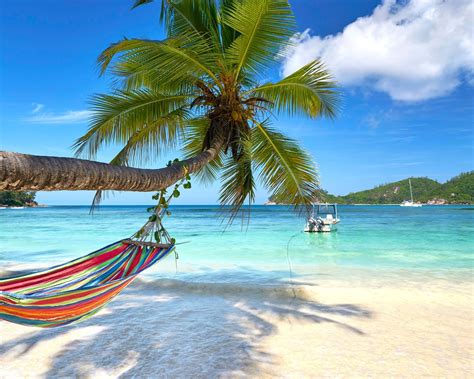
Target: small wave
point(286, 290)
point(216, 288)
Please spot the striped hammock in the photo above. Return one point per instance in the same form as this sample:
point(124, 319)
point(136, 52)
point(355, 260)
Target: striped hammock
point(78, 289)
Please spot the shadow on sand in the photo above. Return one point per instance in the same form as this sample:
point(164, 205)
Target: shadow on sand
point(170, 328)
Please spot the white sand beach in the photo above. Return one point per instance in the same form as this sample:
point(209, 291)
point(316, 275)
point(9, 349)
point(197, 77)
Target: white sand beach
point(174, 329)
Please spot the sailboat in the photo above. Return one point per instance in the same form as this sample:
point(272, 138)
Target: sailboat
point(410, 203)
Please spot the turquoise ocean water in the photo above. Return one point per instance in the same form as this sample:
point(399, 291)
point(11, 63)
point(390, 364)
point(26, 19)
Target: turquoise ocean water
point(435, 240)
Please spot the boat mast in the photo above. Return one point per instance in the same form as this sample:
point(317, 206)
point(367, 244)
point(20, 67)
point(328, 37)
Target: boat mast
point(411, 192)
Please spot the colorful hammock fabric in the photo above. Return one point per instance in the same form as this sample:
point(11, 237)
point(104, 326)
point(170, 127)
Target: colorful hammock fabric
point(78, 289)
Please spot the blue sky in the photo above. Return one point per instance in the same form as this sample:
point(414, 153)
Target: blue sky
point(407, 94)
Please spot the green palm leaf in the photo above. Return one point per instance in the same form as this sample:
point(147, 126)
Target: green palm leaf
point(194, 134)
point(190, 15)
point(228, 34)
point(238, 183)
point(189, 55)
point(310, 91)
point(118, 117)
point(186, 15)
point(264, 28)
point(141, 2)
point(201, 16)
point(153, 140)
point(284, 168)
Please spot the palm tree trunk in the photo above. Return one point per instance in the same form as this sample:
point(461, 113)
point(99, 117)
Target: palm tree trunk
point(22, 172)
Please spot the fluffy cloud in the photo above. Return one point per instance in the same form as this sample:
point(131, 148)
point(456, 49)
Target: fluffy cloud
point(413, 50)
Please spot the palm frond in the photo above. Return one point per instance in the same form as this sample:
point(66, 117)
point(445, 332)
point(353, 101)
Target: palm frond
point(200, 16)
point(237, 180)
point(116, 118)
point(153, 140)
point(194, 134)
point(176, 60)
point(228, 34)
point(264, 28)
point(141, 2)
point(286, 170)
point(310, 91)
point(99, 196)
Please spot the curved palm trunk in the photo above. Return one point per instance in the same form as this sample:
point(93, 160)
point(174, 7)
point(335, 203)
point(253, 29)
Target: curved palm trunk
point(22, 172)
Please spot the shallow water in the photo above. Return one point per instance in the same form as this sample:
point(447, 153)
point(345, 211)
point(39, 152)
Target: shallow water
point(432, 240)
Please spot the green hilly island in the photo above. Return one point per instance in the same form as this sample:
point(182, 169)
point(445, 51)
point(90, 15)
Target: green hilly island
point(458, 190)
point(17, 199)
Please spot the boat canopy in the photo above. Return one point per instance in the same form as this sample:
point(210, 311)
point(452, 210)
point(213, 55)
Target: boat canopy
point(323, 210)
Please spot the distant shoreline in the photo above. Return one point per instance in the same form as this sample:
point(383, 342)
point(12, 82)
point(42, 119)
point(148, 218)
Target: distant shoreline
point(23, 206)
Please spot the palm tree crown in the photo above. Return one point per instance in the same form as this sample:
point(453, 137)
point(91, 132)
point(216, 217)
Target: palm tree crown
point(201, 88)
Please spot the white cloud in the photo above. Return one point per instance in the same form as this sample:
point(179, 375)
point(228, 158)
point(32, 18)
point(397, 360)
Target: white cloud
point(68, 117)
point(413, 50)
point(37, 107)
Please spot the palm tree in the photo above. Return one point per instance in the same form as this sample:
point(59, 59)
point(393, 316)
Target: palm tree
point(201, 89)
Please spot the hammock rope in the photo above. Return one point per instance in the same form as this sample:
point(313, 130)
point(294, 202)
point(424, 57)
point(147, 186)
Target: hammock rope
point(78, 289)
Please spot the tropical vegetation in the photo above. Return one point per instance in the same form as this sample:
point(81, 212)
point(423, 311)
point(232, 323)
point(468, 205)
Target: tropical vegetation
point(17, 199)
point(458, 190)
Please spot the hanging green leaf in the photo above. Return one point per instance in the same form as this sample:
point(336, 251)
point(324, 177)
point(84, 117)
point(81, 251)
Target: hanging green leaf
point(157, 236)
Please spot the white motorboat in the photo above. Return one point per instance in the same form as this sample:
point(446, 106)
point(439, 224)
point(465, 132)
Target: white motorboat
point(323, 218)
point(410, 203)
